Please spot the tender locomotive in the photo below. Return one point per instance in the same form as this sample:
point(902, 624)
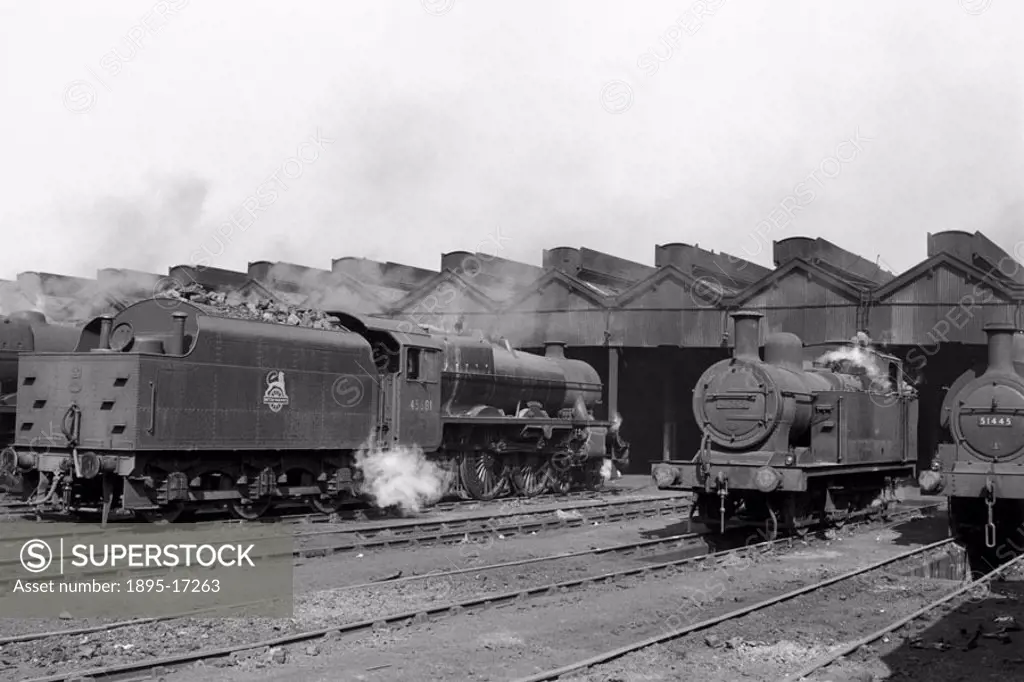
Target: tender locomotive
point(981, 467)
point(168, 408)
point(789, 443)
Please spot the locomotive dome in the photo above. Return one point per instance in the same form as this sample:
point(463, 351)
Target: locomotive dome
point(987, 412)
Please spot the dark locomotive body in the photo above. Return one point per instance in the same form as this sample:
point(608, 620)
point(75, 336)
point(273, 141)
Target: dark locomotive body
point(167, 408)
point(980, 467)
point(24, 332)
point(788, 444)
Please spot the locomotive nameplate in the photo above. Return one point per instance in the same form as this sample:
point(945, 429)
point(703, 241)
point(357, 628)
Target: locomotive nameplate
point(995, 421)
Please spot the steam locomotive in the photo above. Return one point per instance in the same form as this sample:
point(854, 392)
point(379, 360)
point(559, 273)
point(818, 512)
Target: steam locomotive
point(979, 468)
point(168, 408)
point(790, 443)
point(20, 332)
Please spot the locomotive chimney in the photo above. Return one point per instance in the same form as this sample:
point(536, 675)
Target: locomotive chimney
point(106, 322)
point(176, 346)
point(1000, 346)
point(747, 326)
point(554, 349)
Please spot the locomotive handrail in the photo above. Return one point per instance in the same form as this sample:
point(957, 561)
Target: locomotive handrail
point(152, 414)
point(991, 410)
point(747, 396)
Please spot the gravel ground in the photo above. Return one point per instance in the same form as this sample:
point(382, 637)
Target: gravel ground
point(769, 644)
point(979, 637)
point(519, 639)
point(317, 606)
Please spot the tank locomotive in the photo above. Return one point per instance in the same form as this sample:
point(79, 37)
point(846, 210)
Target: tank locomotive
point(168, 409)
point(788, 444)
point(980, 466)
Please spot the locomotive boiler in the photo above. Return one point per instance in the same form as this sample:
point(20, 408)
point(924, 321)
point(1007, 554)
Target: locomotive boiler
point(788, 443)
point(168, 408)
point(979, 468)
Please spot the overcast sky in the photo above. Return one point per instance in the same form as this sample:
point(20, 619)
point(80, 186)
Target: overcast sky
point(442, 125)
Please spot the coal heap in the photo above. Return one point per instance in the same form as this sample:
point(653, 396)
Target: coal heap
point(236, 306)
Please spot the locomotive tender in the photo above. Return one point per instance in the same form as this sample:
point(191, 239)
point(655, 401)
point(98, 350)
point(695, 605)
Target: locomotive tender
point(167, 408)
point(981, 467)
point(788, 444)
point(20, 332)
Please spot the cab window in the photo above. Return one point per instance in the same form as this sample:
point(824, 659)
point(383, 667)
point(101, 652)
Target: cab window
point(422, 364)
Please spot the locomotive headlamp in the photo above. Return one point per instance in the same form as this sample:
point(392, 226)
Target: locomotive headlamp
point(936, 465)
point(790, 459)
point(767, 479)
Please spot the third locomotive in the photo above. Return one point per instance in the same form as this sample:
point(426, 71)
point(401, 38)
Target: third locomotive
point(980, 467)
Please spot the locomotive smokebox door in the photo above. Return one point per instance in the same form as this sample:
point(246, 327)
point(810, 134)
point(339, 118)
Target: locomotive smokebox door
point(418, 397)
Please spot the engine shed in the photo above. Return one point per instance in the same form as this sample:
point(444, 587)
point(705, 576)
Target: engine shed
point(651, 330)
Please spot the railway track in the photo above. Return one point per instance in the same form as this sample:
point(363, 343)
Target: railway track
point(673, 542)
point(83, 530)
point(848, 649)
point(608, 656)
point(357, 511)
point(135, 669)
point(419, 533)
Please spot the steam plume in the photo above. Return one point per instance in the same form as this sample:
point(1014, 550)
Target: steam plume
point(400, 476)
point(860, 355)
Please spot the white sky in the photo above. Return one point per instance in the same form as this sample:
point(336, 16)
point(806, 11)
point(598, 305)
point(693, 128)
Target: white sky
point(449, 129)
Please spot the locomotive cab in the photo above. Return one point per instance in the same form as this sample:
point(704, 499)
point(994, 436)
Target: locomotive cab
point(407, 365)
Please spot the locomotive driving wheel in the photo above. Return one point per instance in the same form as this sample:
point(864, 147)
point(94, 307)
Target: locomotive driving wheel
point(530, 476)
point(483, 475)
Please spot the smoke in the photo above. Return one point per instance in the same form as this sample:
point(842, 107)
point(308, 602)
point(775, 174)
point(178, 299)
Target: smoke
point(358, 288)
point(861, 355)
point(140, 227)
point(74, 299)
point(400, 476)
point(137, 227)
point(609, 472)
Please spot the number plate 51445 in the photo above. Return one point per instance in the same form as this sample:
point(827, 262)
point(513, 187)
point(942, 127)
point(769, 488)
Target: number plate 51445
point(995, 421)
